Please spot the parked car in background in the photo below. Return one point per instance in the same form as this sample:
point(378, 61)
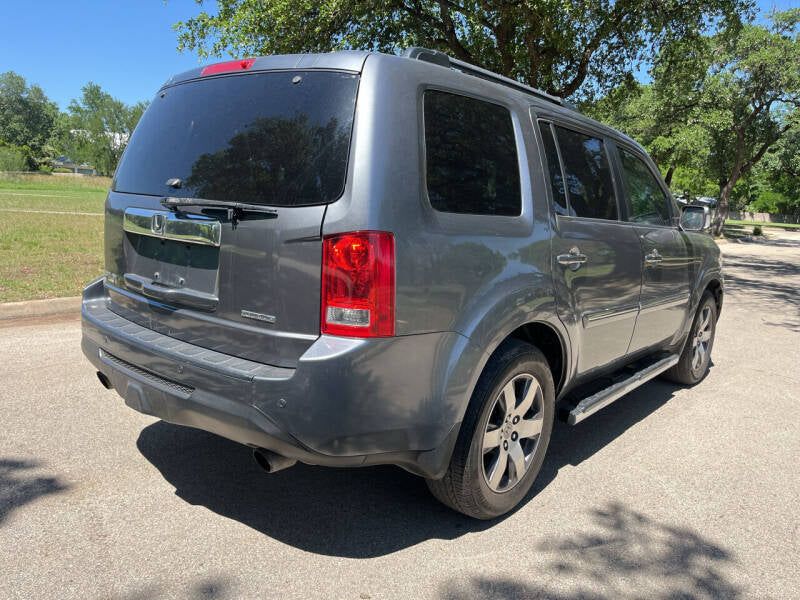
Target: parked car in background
point(351, 259)
point(686, 199)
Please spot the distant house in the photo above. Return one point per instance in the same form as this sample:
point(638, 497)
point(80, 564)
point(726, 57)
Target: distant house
point(64, 162)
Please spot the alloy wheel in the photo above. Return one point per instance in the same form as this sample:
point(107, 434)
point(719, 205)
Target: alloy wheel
point(512, 432)
point(702, 339)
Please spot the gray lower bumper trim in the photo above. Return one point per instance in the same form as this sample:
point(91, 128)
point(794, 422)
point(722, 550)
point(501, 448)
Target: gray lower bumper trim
point(179, 350)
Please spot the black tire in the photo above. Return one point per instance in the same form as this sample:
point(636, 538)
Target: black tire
point(465, 486)
point(687, 371)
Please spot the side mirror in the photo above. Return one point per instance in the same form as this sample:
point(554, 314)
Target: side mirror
point(695, 218)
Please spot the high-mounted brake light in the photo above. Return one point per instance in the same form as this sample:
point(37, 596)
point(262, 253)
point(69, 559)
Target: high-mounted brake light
point(227, 67)
point(358, 284)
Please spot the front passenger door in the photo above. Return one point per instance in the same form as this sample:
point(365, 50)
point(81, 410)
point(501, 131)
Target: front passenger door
point(665, 291)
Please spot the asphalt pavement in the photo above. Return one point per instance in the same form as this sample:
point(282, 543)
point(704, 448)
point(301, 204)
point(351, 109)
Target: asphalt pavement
point(670, 492)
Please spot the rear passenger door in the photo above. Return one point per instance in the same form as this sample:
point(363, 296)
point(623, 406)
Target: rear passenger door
point(665, 257)
point(597, 267)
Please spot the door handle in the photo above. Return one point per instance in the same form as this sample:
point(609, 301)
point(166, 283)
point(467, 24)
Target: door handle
point(574, 259)
point(653, 259)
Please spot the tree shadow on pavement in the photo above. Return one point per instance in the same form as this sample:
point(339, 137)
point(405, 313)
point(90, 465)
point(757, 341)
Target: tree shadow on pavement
point(772, 286)
point(207, 589)
point(17, 489)
point(356, 513)
point(626, 554)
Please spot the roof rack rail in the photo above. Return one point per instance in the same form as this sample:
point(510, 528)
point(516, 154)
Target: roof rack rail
point(444, 60)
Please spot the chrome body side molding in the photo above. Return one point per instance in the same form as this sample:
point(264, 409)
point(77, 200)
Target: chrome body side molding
point(609, 316)
point(663, 303)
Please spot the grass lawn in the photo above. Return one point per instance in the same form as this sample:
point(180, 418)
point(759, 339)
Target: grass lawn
point(50, 255)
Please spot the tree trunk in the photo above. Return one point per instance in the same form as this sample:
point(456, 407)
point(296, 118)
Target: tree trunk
point(723, 207)
point(668, 178)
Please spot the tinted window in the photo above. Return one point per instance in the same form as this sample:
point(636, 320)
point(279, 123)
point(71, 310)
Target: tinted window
point(648, 202)
point(471, 156)
point(258, 138)
point(590, 190)
point(554, 168)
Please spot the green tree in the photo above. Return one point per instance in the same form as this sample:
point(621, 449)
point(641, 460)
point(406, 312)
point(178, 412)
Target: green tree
point(99, 128)
point(745, 98)
point(782, 170)
point(662, 127)
point(11, 158)
point(717, 105)
point(27, 116)
point(565, 47)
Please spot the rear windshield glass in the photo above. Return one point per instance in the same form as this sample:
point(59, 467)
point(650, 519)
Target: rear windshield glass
point(278, 138)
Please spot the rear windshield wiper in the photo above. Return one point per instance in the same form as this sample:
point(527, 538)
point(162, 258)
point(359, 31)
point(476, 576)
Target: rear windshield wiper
point(235, 209)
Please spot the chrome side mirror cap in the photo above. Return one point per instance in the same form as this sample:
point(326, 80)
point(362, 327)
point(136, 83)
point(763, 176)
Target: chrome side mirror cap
point(695, 218)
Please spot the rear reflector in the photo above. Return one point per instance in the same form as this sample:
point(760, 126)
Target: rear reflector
point(227, 67)
point(358, 284)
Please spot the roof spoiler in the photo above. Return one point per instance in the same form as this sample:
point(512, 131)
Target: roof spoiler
point(444, 60)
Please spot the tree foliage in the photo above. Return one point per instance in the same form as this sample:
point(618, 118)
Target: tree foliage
point(27, 116)
point(664, 129)
point(99, 127)
point(565, 47)
point(11, 158)
point(718, 104)
point(750, 98)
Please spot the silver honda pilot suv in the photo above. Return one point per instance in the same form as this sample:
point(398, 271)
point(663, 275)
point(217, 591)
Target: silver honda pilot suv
point(352, 259)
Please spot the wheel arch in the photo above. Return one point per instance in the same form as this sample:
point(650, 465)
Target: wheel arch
point(715, 287)
point(548, 340)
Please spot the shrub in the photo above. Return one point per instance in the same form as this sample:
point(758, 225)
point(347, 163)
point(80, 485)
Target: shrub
point(11, 159)
point(757, 230)
point(62, 170)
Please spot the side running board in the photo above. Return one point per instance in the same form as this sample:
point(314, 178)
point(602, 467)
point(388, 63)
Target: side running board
point(591, 404)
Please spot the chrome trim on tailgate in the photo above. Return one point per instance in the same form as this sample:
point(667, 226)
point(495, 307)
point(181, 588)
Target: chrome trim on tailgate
point(188, 228)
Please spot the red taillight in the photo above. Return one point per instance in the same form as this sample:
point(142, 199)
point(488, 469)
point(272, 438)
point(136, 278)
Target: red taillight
point(227, 67)
point(358, 284)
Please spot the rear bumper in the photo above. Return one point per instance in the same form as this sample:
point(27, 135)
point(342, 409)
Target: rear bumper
point(347, 403)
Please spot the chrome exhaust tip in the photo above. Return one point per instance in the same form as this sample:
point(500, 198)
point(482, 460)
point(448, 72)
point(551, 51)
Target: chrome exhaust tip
point(104, 380)
point(271, 462)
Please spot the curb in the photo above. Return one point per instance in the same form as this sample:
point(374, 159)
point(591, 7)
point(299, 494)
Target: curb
point(40, 308)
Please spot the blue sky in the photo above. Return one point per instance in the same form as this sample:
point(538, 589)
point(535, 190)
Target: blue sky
point(125, 46)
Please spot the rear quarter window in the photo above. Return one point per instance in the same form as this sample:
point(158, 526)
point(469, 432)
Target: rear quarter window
point(471, 156)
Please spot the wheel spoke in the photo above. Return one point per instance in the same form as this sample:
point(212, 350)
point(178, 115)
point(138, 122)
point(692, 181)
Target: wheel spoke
point(705, 317)
point(528, 428)
point(491, 440)
point(696, 358)
point(705, 335)
point(509, 398)
point(517, 457)
point(530, 394)
point(498, 469)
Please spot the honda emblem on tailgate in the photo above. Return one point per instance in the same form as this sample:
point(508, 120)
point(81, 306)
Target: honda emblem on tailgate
point(157, 225)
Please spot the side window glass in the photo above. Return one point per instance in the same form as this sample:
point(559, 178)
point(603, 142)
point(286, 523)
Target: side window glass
point(648, 202)
point(554, 169)
point(590, 189)
point(471, 156)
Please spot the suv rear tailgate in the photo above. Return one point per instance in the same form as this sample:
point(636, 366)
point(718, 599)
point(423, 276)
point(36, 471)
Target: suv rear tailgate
point(243, 283)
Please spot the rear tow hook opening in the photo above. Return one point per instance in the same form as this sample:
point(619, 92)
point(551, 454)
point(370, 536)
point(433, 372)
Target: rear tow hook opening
point(271, 462)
